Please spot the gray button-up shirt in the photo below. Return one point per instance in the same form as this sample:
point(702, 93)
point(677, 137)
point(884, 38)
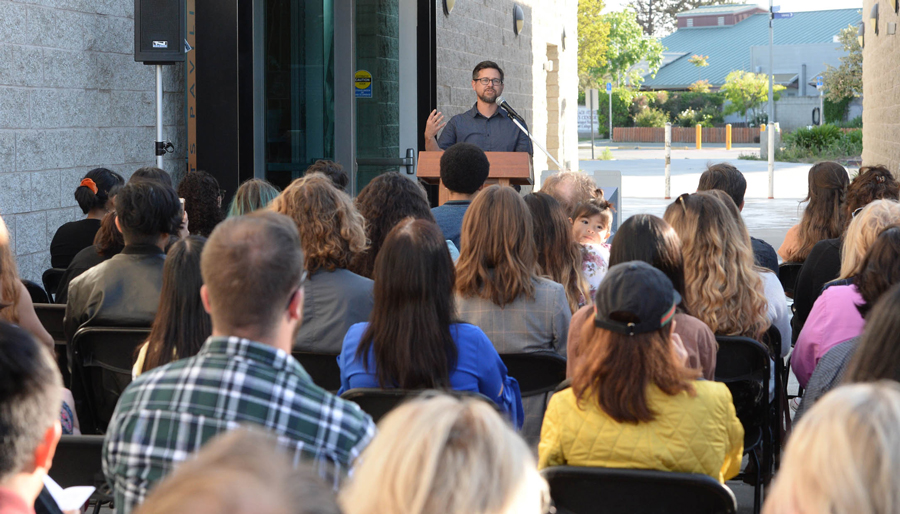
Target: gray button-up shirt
point(495, 134)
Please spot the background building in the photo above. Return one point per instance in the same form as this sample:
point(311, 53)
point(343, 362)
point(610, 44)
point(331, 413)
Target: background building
point(881, 92)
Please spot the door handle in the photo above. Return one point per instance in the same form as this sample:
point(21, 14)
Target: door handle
point(408, 162)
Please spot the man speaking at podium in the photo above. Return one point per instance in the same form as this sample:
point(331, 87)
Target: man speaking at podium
point(485, 125)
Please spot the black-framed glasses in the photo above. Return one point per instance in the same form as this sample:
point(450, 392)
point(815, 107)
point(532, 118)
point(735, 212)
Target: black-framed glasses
point(486, 81)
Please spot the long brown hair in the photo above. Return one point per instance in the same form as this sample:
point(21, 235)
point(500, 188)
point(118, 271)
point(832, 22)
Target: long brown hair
point(878, 355)
point(497, 254)
point(880, 268)
point(409, 329)
point(558, 254)
point(9, 279)
point(824, 215)
point(616, 369)
point(871, 183)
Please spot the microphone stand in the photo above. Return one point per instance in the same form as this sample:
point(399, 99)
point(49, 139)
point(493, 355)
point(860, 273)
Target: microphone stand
point(523, 129)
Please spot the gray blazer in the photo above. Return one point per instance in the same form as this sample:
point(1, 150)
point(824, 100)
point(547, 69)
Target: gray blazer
point(332, 302)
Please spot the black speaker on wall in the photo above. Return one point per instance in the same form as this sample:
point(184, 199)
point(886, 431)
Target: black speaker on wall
point(159, 31)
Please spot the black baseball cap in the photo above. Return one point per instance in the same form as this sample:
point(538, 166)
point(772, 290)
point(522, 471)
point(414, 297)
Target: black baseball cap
point(639, 290)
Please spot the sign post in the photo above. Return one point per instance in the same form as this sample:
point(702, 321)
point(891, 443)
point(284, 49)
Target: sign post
point(593, 103)
point(609, 94)
point(819, 84)
point(668, 159)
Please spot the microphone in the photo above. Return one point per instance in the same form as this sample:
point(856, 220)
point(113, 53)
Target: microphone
point(509, 110)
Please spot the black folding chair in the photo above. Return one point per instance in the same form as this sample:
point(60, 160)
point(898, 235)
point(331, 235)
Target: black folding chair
point(744, 366)
point(322, 368)
point(537, 373)
point(51, 279)
point(772, 339)
point(582, 490)
point(51, 316)
point(36, 292)
point(378, 402)
point(787, 274)
point(77, 462)
point(101, 369)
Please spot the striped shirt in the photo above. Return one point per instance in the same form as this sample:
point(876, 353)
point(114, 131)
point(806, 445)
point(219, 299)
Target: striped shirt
point(168, 413)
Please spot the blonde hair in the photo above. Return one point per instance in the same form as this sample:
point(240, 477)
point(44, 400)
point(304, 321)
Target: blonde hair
point(722, 287)
point(440, 454)
point(497, 256)
point(9, 279)
point(842, 457)
point(331, 229)
point(241, 472)
point(862, 232)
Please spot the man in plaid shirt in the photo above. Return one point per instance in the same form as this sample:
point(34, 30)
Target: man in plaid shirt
point(252, 269)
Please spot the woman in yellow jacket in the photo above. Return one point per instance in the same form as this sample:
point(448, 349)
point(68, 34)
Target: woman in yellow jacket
point(633, 402)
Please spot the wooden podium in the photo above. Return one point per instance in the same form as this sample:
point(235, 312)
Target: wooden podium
point(507, 168)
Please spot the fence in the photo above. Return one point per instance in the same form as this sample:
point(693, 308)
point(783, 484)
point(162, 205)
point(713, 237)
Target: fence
point(683, 135)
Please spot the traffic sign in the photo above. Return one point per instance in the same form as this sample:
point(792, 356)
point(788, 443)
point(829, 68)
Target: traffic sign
point(819, 82)
point(782, 15)
point(609, 87)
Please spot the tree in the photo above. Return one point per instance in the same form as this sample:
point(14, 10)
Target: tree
point(846, 80)
point(700, 61)
point(747, 91)
point(657, 17)
point(627, 47)
point(593, 37)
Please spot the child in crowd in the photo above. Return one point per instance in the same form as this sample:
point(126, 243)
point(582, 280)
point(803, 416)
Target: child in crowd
point(591, 224)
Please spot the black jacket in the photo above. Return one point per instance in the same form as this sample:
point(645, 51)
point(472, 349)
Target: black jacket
point(120, 292)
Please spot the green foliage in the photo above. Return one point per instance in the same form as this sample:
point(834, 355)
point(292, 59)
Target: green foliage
point(651, 117)
point(691, 118)
point(621, 101)
point(704, 108)
point(593, 39)
point(746, 92)
point(826, 142)
point(854, 123)
point(605, 155)
point(835, 112)
point(701, 86)
point(627, 47)
point(662, 97)
point(845, 80)
point(813, 138)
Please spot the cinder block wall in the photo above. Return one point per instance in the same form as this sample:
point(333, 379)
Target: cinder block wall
point(479, 31)
point(71, 99)
point(881, 90)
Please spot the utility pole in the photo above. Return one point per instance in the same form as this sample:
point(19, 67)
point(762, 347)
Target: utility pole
point(770, 132)
point(650, 19)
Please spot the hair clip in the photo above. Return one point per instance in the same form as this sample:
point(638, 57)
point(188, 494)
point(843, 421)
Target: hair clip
point(681, 199)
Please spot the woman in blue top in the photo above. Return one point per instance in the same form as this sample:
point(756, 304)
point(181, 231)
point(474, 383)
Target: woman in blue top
point(412, 340)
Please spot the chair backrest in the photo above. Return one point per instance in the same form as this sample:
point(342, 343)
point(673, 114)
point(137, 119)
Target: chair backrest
point(51, 317)
point(578, 490)
point(322, 368)
point(77, 461)
point(37, 293)
point(51, 279)
point(101, 369)
point(537, 373)
point(743, 365)
point(787, 274)
point(378, 402)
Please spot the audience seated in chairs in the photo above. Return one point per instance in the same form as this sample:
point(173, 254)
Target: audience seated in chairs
point(840, 313)
point(412, 340)
point(644, 237)
point(464, 168)
point(875, 355)
point(559, 256)
point(124, 290)
point(253, 278)
point(96, 197)
point(15, 301)
point(181, 325)
point(332, 232)
point(384, 202)
point(30, 399)
point(202, 201)
point(727, 178)
point(571, 188)
point(499, 291)
point(867, 222)
point(252, 195)
point(241, 472)
point(843, 456)
point(633, 403)
point(723, 288)
point(107, 242)
point(440, 454)
point(824, 215)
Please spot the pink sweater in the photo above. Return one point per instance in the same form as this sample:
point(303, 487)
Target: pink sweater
point(833, 319)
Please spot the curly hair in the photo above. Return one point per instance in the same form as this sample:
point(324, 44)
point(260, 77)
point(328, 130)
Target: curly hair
point(384, 202)
point(331, 230)
point(871, 183)
point(200, 191)
point(558, 254)
point(862, 232)
point(464, 168)
point(722, 287)
point(252, 195)
point(9, 279)
point(823, 217)
point(333, 170)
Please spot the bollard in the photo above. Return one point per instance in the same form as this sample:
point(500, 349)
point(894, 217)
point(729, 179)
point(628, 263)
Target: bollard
point(699, 136)
point(668, 159)
point(728, 136)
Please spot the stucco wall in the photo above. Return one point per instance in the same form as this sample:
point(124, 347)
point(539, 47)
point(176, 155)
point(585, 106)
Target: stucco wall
point(71, 99)
point(881, 91)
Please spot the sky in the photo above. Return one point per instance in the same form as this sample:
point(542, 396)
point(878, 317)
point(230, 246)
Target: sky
point(786, 5)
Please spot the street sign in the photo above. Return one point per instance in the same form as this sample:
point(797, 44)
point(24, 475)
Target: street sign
point(776, 8)
point(819, 82)
point(594, 99)
point(781, 15)
point(608, 87)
